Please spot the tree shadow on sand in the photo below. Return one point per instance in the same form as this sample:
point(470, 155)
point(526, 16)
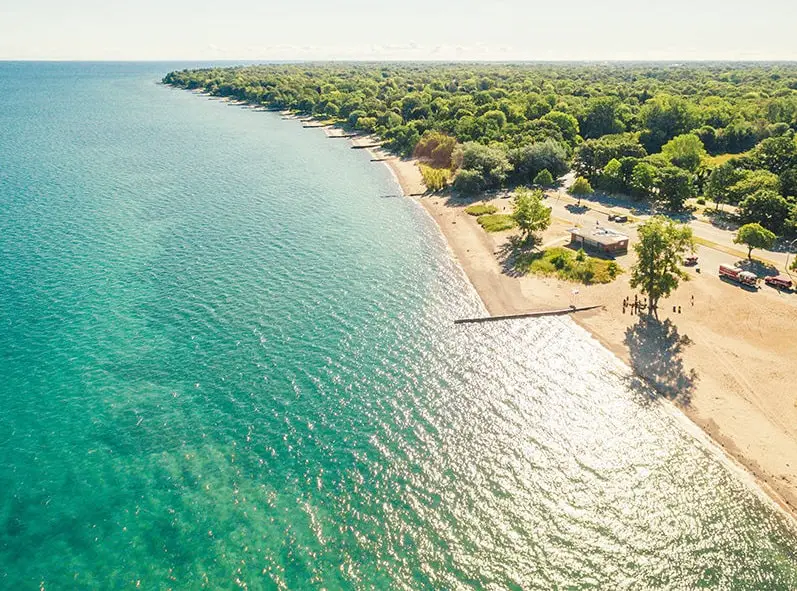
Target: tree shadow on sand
point(722, 220)
point(517, 254)
point(656, 350)
point(576, 209)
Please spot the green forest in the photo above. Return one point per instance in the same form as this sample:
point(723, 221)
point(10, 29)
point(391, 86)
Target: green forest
point(662, 133)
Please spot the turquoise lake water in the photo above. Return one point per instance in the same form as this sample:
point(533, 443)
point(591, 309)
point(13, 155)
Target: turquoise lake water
point(227, 360)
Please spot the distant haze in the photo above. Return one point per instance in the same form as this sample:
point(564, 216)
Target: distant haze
point(408, 30)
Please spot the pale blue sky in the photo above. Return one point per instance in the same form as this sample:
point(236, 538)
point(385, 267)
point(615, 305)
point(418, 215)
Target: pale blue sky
point(409, 29)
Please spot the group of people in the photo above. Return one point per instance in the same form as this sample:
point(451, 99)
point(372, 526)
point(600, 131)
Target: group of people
point(640, 305)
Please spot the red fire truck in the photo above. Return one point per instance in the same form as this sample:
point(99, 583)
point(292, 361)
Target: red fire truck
point(779, 282)
point(734, 274)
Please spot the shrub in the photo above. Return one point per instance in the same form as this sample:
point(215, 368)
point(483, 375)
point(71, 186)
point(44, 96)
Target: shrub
point(701, 201)
point(560, 260)
point(544, 178)
point(562, 263)
point(468, 182)
point(497, 222)
point(583, 272)
point(478, 209)
point(581, 187)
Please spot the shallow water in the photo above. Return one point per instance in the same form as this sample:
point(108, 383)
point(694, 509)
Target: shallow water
point(227, 361)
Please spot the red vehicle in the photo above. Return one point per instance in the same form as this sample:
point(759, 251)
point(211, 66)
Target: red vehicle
point(734, 274)
point(690, 261)
point(779, 282)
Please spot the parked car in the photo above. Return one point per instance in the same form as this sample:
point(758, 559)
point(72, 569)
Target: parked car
point(620, 219)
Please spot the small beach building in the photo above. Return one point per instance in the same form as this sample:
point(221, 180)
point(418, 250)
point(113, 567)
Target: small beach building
point(602, 240)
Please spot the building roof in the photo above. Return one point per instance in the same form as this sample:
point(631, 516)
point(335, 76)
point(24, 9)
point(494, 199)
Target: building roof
point(603, 236)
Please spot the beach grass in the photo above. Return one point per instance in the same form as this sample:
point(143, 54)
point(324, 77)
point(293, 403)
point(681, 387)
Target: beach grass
point(565, 264)
point(496, 222)
point(478, 209)
point(435, 179)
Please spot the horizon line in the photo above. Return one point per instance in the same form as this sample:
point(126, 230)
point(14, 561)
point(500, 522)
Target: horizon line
point(675, 61)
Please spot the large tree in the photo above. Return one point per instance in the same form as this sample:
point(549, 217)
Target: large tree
point(664, 117)
point(643, 179)
point(675, 186)
point(566, 123)
point(612, 179)
point(776, 154)
point(600, 117)
point(722, 178)
point(766, 208)
point(685, 151)
point(754, 236)
point(530, 214)
point(752, 182)
point(660, 250)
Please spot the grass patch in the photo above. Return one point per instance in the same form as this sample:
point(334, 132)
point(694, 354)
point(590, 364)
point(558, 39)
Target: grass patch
point(714, 161)
point(497, 222)
point(721, 247)
point(478, 209)
point(568, 265)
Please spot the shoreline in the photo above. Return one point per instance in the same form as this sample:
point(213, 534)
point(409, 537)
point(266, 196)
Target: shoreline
point(477, 254)
point(502, 294)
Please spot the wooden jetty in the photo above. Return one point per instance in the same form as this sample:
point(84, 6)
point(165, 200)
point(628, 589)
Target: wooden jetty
point(560, 312)
point(379, 159)
point(315, 126)
point(366, 146)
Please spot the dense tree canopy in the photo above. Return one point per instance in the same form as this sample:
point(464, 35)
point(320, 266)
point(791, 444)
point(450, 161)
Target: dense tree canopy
point(503, 124)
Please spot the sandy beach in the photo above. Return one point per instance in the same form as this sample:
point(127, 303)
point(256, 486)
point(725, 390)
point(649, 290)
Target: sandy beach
point(727, 360)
